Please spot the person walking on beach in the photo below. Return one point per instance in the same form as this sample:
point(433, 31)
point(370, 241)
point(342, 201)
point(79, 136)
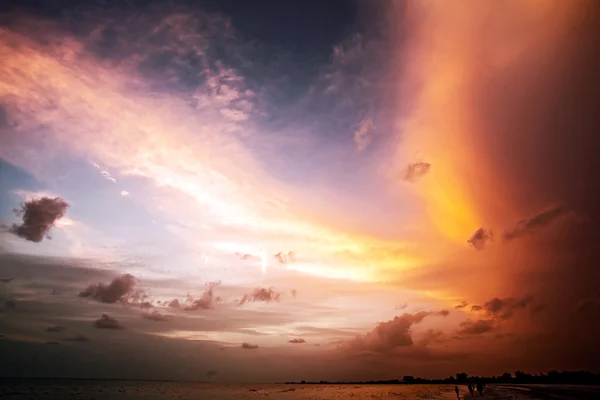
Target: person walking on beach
point(479, 388)
point(456, 391)
point(470, 387)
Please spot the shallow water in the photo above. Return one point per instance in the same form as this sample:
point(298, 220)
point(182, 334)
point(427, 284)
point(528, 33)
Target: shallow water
point(152, 390)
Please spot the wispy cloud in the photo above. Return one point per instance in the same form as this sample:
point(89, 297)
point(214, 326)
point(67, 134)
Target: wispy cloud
point(363, 135)
point(536, 222)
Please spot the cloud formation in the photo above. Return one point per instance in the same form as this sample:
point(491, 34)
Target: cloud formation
point(389, 335)
point(119, 289)
point(78, 338)
point(39, 216)
point(56, 328)
point(156, 316)
point(462, 304)
point(260, 294)
point(363, 135)
point(480, 238)
point(416, 170)
point(528, 226)
point(297, 340)
point(478, 327)
point(206, 301)
point(107, 322)
point(506, 307)
point(249, 346)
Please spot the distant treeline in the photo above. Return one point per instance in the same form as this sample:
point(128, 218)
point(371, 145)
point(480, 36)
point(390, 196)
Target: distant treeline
point(552, 377)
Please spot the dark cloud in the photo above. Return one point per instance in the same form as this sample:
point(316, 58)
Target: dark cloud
point(56, 328)
point(211, 373)
point(206, 301)
point(388, 335)
point(476, 327)
point(174, 303)
point(476, 307)
point(107, 322)
point(505, 308)
point(145, 305)
point(442, 313)
point(6, 280)
point(10, 303)
point(260, 294)
point(480, 238)
point(534, 223)
point(416, 170)
point(249, 346)
point(78, 338)
point(117, 290)
point(462, 304)
point(39, 216)
point(156, 316)
point(297, 340)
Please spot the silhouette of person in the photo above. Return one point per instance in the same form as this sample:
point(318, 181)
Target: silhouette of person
point(470, 387)
point(456, 391)
point(479, 388)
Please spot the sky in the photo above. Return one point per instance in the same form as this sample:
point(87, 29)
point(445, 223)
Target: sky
point(258, 191)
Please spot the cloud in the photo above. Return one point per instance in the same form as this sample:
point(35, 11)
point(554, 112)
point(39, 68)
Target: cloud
point(249, 346)
point(53, 343)
point(534, 223)
point(107, 322)
point(416, 170)
point(108, 176)
point(401, 306)
point(480, 238)
point(260, 294)
point(117, 290)
point(388, 335)
point(145, 305)
point(431, 336)
point(363, 135)
point(78, 338)
point(174, 303)
point(125, 193)
point(156, 316)
point(56, 328)
point(39, 216)
point(476, 327)
point(206, 301)
point(462, 304)
point(476, 307)
point(297, 340)
point(6, 280)
point(442, 313)
point(505, 308)
point(211, 373)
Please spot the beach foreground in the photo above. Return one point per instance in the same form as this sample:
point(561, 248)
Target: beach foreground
point(100, 390)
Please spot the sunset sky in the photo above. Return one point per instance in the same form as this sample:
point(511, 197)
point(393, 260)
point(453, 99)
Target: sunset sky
point(285, 190)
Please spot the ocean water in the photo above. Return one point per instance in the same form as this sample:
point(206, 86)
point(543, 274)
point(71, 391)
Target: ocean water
point(100, 390)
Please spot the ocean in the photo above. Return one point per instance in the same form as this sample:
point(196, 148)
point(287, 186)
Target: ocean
point(152, 390)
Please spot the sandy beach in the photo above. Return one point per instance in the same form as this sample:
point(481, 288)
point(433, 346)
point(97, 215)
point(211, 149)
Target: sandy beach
point(101, 390)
